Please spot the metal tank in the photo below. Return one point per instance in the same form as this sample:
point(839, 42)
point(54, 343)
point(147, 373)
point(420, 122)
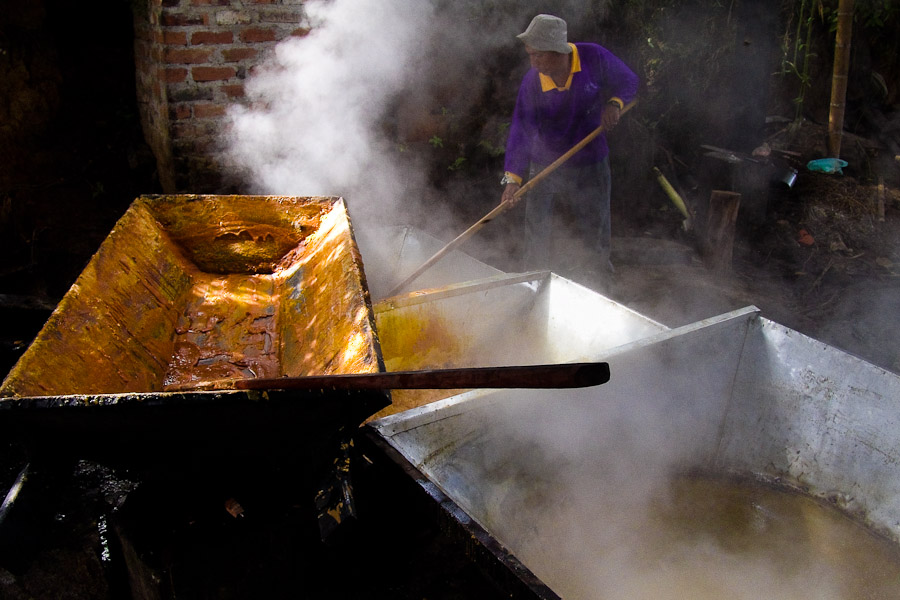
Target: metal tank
point(531, 473)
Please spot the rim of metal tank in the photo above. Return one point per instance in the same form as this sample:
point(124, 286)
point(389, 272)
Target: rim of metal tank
point(489, 555)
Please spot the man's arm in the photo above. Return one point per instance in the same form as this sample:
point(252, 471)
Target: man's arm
point(620, 83)
point(521, 135)
point(620, 87)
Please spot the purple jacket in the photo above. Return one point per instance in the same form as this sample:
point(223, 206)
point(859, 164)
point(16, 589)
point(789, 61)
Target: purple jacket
point(545, 125)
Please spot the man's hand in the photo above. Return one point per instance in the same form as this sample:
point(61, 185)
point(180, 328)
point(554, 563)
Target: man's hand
point(509, 194)
point(611, 114)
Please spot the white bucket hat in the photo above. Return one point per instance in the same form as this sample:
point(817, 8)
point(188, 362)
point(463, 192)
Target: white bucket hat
point(546, 33)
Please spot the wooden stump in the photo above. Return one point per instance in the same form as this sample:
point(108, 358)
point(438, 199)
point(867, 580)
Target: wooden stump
point(722, 216)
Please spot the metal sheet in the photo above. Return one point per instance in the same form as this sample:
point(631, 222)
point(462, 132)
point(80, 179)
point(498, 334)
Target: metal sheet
point(734, 394)
point(502, 320)
point(807, 412)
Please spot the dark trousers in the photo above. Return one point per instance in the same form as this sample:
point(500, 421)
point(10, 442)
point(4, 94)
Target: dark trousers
point(567, 219)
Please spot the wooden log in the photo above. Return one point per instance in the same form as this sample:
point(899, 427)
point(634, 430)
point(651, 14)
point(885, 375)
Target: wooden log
point(720, 224)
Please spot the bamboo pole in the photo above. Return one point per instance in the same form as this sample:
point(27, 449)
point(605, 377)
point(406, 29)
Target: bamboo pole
point(675, 197)
point(839, 76)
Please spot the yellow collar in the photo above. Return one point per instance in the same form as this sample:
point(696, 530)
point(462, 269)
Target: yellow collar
point(547, 83)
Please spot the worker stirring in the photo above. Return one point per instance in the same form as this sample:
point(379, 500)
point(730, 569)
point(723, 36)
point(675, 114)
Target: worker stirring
point(570, 90)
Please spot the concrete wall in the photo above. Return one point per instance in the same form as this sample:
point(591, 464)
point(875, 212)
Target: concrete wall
point(191, 59)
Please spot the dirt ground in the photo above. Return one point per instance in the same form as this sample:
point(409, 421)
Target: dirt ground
point(823, 262)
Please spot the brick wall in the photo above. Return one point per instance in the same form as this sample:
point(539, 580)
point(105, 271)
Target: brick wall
point(191, 58)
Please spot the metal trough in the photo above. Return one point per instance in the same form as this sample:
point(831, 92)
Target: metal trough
point(531, 474)
point(477, 316)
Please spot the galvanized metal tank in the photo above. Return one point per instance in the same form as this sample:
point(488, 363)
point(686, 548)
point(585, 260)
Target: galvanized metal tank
point(732, 396)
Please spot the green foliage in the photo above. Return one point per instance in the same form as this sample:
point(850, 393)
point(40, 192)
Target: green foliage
point(800, 49)
point(682, 51)
point(878, 18)
point(436, 142)
point(875, 21)
point(491, 149)
point(457, 164)
point(495, 144)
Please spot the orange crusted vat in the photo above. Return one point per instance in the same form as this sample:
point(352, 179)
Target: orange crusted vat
point(187, 295)
point(193, 292)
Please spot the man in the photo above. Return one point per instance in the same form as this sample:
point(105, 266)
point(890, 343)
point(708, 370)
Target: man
point(570, 90)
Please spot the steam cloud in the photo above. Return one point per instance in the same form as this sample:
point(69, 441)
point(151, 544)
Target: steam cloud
point(316, 124)
point(591, 504)
point(317, 118)
point(311, 127)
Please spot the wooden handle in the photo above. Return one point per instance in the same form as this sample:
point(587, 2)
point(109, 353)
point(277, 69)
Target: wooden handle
point(570, 375)
point(503, 206)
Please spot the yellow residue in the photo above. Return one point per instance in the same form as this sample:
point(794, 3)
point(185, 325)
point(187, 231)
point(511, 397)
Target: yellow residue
point(189, 290)
point(416, 341)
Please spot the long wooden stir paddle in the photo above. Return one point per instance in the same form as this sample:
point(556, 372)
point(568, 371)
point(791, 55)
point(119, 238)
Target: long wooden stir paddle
point(568, 375)
point(503, 206)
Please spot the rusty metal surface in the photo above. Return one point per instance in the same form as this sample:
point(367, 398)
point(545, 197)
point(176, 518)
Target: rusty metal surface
point(196, 291)
point(187, 295)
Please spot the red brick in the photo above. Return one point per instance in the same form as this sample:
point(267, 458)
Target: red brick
point(208, 110)
point(176, 75)
point(238, 54)
point(213, 73)
point(234, 91)
point(187, 56)
point(301, 32)
point(279, 16)
point(256, 34)
point(184, 130)
point(174, 38)
point(180, 111)
point(181, 20)
point(211, 2)
point(212, 37)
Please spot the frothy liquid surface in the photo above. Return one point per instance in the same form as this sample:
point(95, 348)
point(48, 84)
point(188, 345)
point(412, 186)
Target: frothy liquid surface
point(711, 539)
